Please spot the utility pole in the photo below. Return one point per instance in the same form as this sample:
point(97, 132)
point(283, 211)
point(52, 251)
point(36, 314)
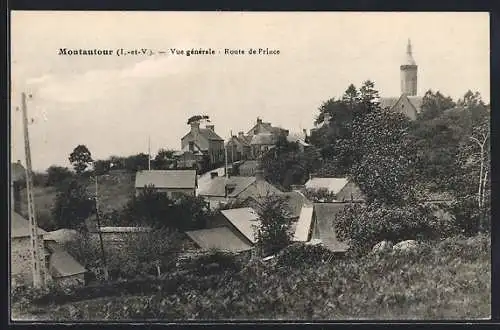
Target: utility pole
point(232, 148)
point(37, 258)
point(105, 266)
point(149, 153)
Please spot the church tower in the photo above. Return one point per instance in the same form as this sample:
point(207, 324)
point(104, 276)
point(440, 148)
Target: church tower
point(409, 73)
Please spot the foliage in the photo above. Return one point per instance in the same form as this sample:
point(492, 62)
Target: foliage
point(285, 164)
point(434, 104)
point(157, 209)
point(197, 118)
point(72, 205)
point(366, 225)
point(137, 162)
point(384, 168)
point(102, 167)
point(334, 140)
point(57, 175)
point(80, 158)
point(164, 159)
point(319, 195)
point(274, 231)
point(300, 255)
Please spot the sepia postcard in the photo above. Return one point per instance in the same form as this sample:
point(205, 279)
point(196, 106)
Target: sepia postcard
point(229, 166)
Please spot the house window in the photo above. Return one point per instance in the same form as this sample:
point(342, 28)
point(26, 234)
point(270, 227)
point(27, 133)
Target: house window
point(191, 146)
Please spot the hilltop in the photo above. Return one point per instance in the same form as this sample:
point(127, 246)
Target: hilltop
point(114, 190)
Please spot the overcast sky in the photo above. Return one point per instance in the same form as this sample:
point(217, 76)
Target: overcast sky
point(111, 104)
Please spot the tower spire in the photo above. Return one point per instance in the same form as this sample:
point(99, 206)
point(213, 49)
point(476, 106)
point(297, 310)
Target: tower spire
point(408, 47)
point(409, 73)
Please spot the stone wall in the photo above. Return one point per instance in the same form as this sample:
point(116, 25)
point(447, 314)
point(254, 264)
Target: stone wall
point(20, 263)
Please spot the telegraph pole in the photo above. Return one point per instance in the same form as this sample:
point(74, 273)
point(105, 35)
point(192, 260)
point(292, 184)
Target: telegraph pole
point(37, 258)
point(105, 266)
point(149, 153)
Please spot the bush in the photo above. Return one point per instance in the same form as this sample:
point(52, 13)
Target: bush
point(214, 261)
point(301, 255)
point(57, 175)
point(468, 217)
point(366, 225)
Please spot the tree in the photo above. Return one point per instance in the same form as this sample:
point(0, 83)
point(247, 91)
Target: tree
point(80, 158)
point(274, 231)
point(73, 205)
point(198, 118)
point(102, 166)
point(137, 162)
point(164, 159)
point(57, 175)
point(385, 158)
point(333, 140)
point(434, 104)
point(154, 208)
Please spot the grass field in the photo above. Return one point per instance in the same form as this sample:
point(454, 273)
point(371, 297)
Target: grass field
point(114, 190)
point(448, 280)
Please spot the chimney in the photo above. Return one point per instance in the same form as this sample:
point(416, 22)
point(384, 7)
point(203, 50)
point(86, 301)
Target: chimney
point(195, 129)
point(259, 121)
point(211, 127)
point(241, 134)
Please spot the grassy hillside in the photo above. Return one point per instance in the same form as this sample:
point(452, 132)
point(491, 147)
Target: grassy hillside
point(450, 279)
point(114, 191)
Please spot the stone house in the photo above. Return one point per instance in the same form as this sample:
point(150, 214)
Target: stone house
point(60, 267)
point(174, 183)
point(238, 148)
point(264, 136)
point(220, 190)
point(17, 180)
point(204, 141)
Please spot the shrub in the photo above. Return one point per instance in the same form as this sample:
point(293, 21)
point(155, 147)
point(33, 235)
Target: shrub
point(213, 261)
point(57, 175)
point(301, 255)
point(369, 224)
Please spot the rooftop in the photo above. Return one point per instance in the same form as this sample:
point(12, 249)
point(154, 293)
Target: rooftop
point(217, 186)
point(20, 227)
point(333, 185)
point(325, 219)
point(221, 238)
point(243, 219)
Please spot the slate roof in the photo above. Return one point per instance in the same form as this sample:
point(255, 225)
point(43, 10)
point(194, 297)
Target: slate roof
point(221, 238)
point(295, 201)
point(17, 172)
point(333, 185)
point(20, 227)
point(216, 186)
point(61, 235)
point(325, 216)
point(62, 264)
point(210, 134)
point(243, 219)
point(303, 224)
point(166, 179)
point(416, 101)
